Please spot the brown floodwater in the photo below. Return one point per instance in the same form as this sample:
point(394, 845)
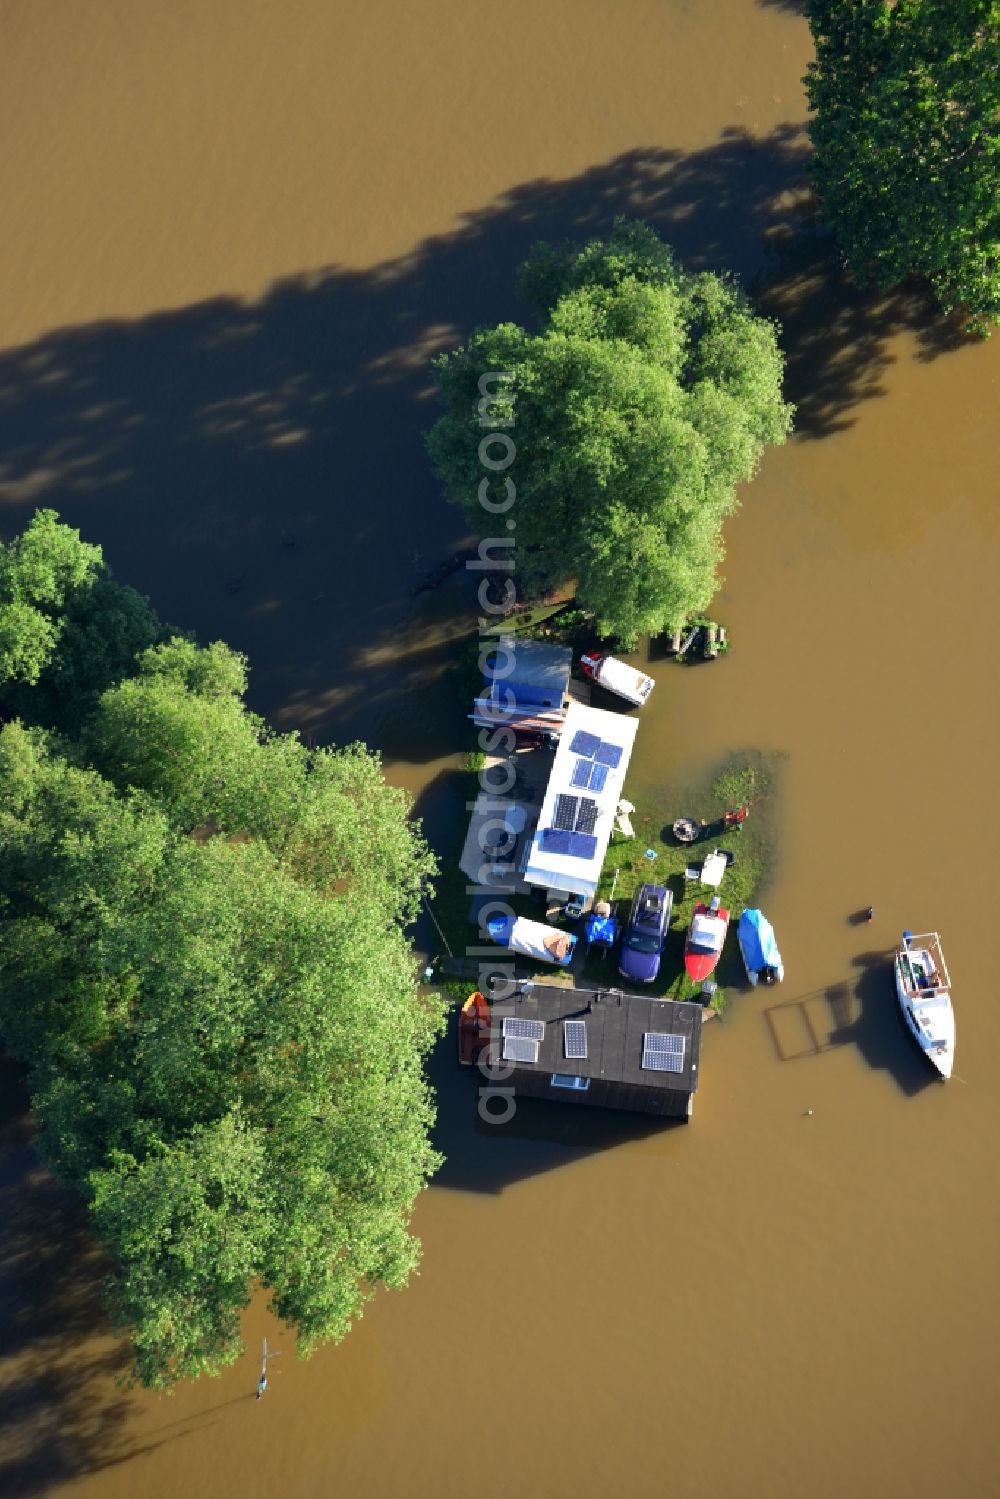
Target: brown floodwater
point(233, 235)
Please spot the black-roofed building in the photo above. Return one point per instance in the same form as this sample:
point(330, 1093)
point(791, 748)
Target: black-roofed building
point(598, 1047)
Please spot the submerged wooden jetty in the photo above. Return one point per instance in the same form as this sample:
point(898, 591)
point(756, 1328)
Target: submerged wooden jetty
point(680, 644)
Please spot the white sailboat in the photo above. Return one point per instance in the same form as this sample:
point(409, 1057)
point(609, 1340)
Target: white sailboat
point(924, 991)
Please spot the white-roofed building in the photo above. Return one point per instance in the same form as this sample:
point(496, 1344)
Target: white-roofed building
point(578, 810)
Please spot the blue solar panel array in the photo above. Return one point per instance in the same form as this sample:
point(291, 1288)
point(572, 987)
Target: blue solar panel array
point(588, 775)
point(582, 845)
point(585, 744)
point(574, 818)
point(608, 754)
point(574, 845)
point(591, 747)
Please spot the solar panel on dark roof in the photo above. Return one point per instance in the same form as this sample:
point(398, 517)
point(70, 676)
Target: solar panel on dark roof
point(516, 1025)
point(662, 1061)
point(519, 1049)
point(662, 1041)
point(575, 1038)
point(662, 1052)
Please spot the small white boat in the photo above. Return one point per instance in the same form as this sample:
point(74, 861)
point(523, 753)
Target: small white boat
point(534, 939)
point(924, 991)
point(618, 677)
point(758, 948)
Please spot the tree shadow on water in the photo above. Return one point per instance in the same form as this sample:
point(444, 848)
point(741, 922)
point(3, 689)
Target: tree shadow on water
point(60, 1413)
point(63, 1413)
point(838, 337)
point(258, 467)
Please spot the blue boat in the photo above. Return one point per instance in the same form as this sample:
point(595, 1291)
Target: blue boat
point(761, 957)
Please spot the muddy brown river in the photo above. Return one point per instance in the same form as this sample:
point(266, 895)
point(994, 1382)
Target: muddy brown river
point(233, 236)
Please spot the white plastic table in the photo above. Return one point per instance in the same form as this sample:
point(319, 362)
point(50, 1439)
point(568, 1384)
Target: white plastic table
point(713, 870)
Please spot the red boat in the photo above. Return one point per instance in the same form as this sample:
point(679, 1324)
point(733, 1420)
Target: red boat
point(705, 937)
point(473, 1028)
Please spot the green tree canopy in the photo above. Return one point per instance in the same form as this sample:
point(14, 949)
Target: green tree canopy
point(204, 964)
point(67, 628)
point(905, 99)
point(180, 731)
point(646, 397)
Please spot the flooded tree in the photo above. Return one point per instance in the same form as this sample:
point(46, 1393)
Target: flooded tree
point(612, 440)
point(905, 99)
point(68, 629)
point(204, 964)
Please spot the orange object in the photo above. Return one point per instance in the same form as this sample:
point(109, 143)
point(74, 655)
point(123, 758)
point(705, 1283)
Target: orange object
point(474, 1023)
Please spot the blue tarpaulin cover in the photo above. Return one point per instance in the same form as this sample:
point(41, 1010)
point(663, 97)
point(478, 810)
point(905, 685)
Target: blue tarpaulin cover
point(500, 928)
point(757, 941)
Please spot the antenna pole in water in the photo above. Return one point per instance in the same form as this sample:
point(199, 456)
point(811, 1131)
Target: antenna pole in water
point(262, 1381)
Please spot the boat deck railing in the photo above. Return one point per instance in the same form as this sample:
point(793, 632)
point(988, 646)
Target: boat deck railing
point(930, 943)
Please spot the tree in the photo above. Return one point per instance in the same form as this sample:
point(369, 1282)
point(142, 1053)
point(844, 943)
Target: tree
point(905, 99)
point(40, 574)
point(204, 965)
point(67, 629)
point(191, 1216)
point(180, 731)
point(624, 426)
point(187, 738)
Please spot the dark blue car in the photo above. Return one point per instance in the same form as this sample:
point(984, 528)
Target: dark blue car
point(645, 934)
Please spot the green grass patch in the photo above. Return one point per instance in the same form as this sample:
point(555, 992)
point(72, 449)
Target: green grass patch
point(749, 776)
